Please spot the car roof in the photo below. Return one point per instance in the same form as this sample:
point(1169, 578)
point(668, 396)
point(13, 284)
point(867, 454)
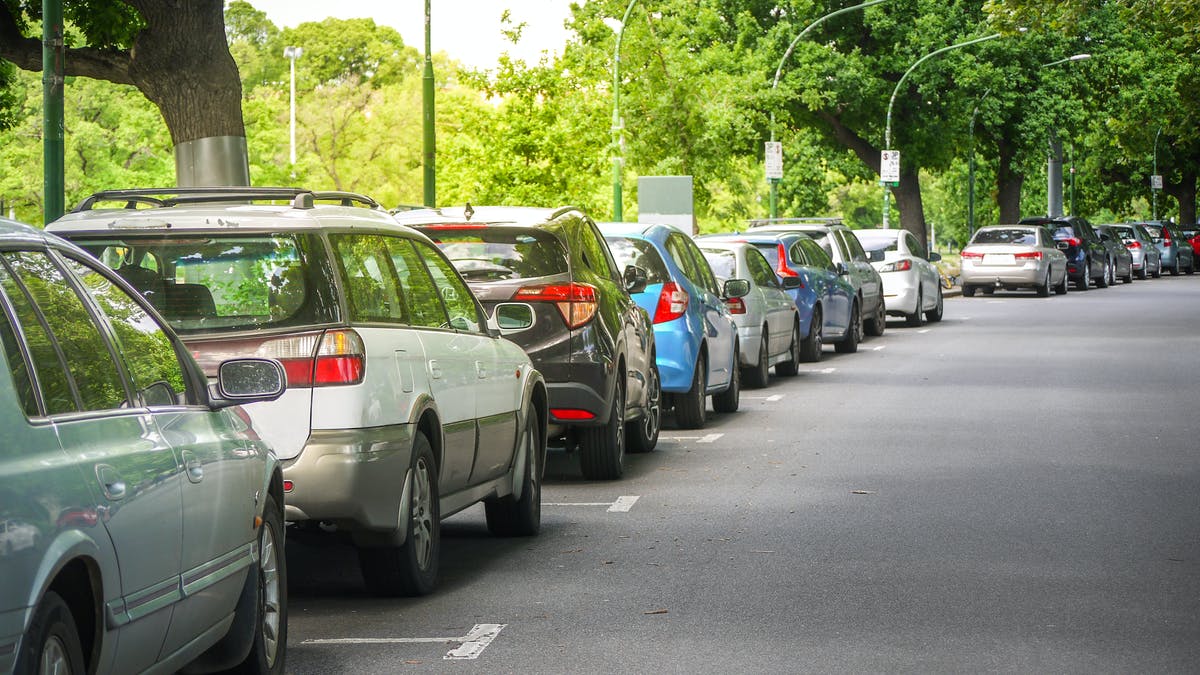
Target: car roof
point(878, 233)
point(648, 230)
point(14, 233)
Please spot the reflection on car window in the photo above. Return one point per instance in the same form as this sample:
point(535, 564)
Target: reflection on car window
point(153, 366)
point(424, 303)
point(371, 288)
point(89, 360)
point(1014, 235)
point(460, 304)
point(817, 256)
point(489, 253)
point(679, 253)
point(722, 261)
point(18, 368)
point(760, 271)
point(876, 245)
point(642, 253)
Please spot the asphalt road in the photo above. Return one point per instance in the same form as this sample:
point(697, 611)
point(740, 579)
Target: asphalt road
point(1015, 489)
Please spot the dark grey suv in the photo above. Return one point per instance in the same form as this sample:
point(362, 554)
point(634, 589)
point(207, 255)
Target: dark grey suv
point(591, 341)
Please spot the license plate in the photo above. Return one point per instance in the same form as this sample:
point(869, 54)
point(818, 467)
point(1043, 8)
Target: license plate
point(999, 259)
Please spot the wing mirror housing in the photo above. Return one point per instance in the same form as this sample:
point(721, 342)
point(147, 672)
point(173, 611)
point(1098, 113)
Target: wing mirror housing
point(841, 269)
point(736, 288)
point(636, 279)
point(935, 257)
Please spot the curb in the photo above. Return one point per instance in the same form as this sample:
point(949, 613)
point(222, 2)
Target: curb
point(952, 292)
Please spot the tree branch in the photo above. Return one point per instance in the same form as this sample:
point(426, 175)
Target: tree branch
point(26, 54)
point(866, 152)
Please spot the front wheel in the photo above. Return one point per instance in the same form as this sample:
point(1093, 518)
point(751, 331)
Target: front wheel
point(728, 400)
point(813, 345)
point(690, 405)
point(1043, 289)
point(759, 376)
point(509, 517)
point(934, 315)
point(968, 291)
point(917, 318)
point(52, 643)
point(1061, 288)
point(270, 637)
point(875, 325)
point(849, 343)
point(411, 568)
point(642, 433)
point(602, 455)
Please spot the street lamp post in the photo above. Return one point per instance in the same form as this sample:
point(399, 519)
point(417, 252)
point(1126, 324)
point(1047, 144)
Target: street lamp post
point(1054, 163)
point(778, 71)
point(887, 129)
point(617, 125)
point(291, 54)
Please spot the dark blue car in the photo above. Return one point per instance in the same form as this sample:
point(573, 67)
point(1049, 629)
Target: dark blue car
point(696, 338)
point(825, 298)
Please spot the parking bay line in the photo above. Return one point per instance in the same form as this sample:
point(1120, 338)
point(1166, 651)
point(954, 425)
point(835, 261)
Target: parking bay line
point(772, 397)
point(622, 505)
point(470, 646)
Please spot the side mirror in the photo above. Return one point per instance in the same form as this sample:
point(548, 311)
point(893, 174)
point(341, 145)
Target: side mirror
point(791, 283)
point(736, 288)
point(635, 279)
point(241, 381)
point(935, 257)
point(510, 317)
point(841, 269)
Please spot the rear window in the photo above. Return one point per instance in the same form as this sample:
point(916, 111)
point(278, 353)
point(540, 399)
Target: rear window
point(1064, 232)
point(1007, 236)
point(489, 254)
point(641, 253)
point(875, 245)
point(207, 283)
point(1189, 232)
point(722, 262)
point(1154, 230)
point(1125, 233)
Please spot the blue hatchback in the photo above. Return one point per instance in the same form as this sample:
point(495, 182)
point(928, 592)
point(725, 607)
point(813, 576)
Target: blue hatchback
point(825, 297)
point(696, 338)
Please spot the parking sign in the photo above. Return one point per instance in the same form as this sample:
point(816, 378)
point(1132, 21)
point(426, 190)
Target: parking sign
point(889, 162)
point(1156, 182)
point(774, 157)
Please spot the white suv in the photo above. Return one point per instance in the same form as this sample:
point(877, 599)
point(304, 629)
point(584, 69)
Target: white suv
point(403, 406)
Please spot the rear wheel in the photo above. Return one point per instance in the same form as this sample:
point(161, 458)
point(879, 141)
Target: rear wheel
point(875, 325)
point(690, 405)
point(411, 568)
point(1129, 274)
point(602, 455)
point(52, 643)
point(1142, 273)
point(1043, 289)
point(728, 400)
point(813, 345)
point(934, 315)
point(759, 376)
point(917, 318)
point(968, 291)
point(1061, 288)
point(642, 433)
point(849, 343)
point(1157, 273)
point(1085, 280)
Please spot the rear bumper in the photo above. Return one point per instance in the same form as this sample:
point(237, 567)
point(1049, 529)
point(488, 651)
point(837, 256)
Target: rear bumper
point(900, 291)
point(1029, 275)
point(351, 477)
point(677, 350)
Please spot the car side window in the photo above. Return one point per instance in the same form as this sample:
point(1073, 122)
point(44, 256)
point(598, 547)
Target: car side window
point(760, 271)
point(855, 249)
point(371, 287)
point(424, 303)
point(706, 273)
point(460, 303)
point(914, 246)
point(597, 242)
point(816, 255)
point(70, 333)
point(677, 249)
point(797, 255)
point(149, 356)
point(592, 249)
point(18, 367)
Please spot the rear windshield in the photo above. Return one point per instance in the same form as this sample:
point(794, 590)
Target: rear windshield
point(1125, 232)
point(641, 253)
point(876, 245)
point(1006, 236)
point(1154, 230)
point(1064, 232)
point(770, 252)
point(723, 262)
point(206, 283)
point(1189, 232)
point(489, 254)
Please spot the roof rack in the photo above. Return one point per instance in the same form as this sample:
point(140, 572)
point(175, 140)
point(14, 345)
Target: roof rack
point(760, 222)
point(168, 197)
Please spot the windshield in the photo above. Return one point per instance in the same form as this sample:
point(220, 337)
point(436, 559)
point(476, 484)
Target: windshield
point(490, 253)
point(1006, 236)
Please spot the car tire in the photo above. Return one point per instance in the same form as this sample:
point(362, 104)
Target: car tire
point(1175, 268)
point(917, 318)
point(934, 315)
point(269, 652)
point(1143, 273)
point(641, 435)
point(690, 405)
point(791, 366)
point(875, 325)
point(1061, 288)
point(1157, 273)
point(602, 452)
point(968, 291)
point(1085, 280)
point(1103, 281)
point(410, 569)
point(759, 376)
point(812, 346)
point(849, 343)
point(509, 517)
point(1043, 289)
point(52, 643)
point(728, 400)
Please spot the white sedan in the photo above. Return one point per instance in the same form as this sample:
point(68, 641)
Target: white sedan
point(911, 284)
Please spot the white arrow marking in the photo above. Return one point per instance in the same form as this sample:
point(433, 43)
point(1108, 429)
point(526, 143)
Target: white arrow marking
point(623, 504)
point(710, 438)
point(470, 646)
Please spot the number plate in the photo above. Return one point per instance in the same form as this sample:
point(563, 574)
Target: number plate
point(999, 259)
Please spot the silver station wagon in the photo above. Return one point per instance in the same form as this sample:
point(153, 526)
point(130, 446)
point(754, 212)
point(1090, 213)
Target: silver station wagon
point(142, 522)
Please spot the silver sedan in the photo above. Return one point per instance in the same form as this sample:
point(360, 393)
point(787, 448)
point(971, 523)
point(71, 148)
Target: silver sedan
point(1012, 257)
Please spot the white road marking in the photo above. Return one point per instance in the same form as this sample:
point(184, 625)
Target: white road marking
point(923, 330)
point(470, 646)
point(772, 397)
point(710, 438)
point(775, 397)
point(623, 504)
point(826, 371)
point(880, 347)
point(577, 503)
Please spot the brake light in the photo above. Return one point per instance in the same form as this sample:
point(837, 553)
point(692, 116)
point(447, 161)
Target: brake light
point(971, 255)
point(898, 266)
point(1133, 244)
point(1072, 241)
point(672, 303)
point(1166, 237)
point(1028, 255)
point(783, 270)
point(335, 357)
point(736, 306)
point(576, 302)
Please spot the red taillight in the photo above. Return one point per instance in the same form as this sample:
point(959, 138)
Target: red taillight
point(453, 226)
point(1166, 237)
point(898, 266)
point(1133, 244)
point(736, 306)
point(335, 357)
point(571, 414)
point(672, 303)
point(783, 270)
point(1030, 255)
point(1071, 241)
point(971, 255)
point(576, 302)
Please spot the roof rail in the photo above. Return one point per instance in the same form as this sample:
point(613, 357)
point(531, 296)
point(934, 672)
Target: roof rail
point(168, 197)
point(759, 222)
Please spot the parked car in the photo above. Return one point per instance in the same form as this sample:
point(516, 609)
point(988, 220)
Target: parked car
point(593, 344)
point(849, 258)
point(1118, 253)
point(696, 336)
point(766, 317)
point(140, 515)
point(1192, 234)
point(403, 405)
point(1145, 257)
point(825, 300)
point(1012, 257)
point(912, 286)
point(1174, 249)
point(1088, 259)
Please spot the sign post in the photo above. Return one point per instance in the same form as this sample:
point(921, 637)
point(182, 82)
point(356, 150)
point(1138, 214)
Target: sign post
point(773, 159)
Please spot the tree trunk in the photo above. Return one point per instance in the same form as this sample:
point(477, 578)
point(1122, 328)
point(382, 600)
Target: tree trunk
point(1184, 192)
point(1008, 186)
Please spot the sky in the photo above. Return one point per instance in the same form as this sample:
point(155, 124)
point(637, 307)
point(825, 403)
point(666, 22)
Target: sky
point(467, 30)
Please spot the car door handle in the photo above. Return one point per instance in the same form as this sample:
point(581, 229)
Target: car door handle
point(435, 370)
point(193, 466)
point(481, 370)
point(110, 481)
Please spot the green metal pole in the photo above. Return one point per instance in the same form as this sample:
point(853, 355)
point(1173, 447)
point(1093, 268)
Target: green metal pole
point(430, 139)
point(617, 125)
point(53, 198)
point(1153, 192)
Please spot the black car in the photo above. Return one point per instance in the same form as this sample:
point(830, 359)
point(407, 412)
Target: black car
point(1088, 260)
point(590, 340)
